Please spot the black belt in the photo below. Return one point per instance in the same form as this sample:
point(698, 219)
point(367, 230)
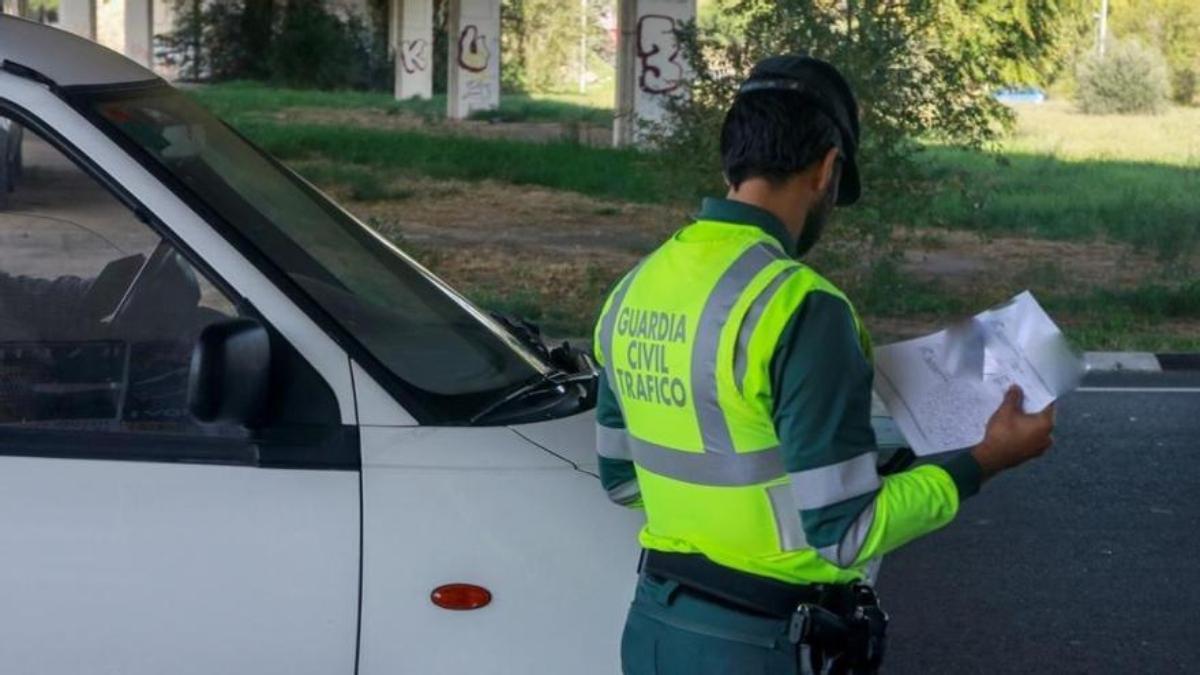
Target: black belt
point(747, 591)
point(842, 621)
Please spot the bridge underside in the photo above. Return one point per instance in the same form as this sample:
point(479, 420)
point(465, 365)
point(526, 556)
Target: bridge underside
point(650, 67)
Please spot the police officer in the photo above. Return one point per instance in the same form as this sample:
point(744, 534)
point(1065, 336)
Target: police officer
point(735, 409)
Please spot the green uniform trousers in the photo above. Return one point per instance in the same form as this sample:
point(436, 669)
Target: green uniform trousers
point(672, 630)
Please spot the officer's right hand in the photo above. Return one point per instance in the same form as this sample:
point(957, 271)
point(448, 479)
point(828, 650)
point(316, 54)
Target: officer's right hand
point(1014, 437)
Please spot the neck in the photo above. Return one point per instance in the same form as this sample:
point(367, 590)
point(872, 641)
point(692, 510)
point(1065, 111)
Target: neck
point(789, 206)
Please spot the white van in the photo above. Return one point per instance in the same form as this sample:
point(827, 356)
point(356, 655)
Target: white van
point(240, 432)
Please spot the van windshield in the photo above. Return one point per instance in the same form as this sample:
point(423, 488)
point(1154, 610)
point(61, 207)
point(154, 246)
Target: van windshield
point(447, 358)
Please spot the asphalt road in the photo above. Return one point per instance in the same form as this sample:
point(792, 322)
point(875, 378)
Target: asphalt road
point(1087, 561)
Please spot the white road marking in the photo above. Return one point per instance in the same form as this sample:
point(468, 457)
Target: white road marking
point(1139, 390)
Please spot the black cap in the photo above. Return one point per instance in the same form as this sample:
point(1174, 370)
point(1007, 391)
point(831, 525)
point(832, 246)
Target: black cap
point(825, 88)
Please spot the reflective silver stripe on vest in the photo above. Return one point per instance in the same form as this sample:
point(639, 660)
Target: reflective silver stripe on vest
point(612, 443)
point(787, 518)
point(626, 493)
point(751, 322)
point(714, 428)
point(608, 325)
point(709, 468)
point(815, 488)
point(845, 552)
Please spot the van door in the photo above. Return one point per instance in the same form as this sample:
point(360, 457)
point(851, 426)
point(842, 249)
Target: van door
point(134, 539)
point(515, 510)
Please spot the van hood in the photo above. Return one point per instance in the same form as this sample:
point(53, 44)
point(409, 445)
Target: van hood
point(573, 438)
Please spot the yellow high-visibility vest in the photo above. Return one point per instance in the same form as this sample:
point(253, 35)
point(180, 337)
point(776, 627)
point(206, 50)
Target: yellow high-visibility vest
point(686, 340)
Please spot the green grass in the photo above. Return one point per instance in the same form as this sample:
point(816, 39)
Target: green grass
point(603, 172)
point(233, 100)
point(361, 183)
point(1058, 129)
point(1152, 206)
point(1149, 301)
point(598, 95)
point(888, 291)
point(1063, 175)
point(1129, 319)
point(236, 101)
point(550, 108)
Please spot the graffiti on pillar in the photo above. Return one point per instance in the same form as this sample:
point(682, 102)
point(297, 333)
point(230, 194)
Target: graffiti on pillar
point(477, 92)
point(659, 68)
point(414, 56)
point(473, 52)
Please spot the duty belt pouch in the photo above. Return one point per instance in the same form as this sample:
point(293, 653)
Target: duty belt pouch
point(871, 625)
point(857, 640)
point(870, 658)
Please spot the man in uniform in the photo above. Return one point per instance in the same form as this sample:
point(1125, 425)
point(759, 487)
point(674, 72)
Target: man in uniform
point(735, 407)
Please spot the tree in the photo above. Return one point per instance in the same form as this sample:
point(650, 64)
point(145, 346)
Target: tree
point(1171, 26)
point(541, 42)
point(921, 68)
point(1128, 79)
point(208, 40)
point(294, 42)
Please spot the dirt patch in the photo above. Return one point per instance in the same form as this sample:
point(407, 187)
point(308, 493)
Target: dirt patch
point(547, 255)
point(449, 214)
point(398, 120)
point(975, 260)
point(553, 256)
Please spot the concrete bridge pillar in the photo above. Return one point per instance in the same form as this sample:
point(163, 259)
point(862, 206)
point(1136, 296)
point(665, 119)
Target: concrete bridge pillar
point(650, 65)
point(473, 29)
point(410, 37)
point(78, 17)
point(15, 7)
point(139, 31)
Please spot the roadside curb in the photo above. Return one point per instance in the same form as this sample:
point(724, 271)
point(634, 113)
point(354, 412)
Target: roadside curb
point(1130, 362)
point(1140, 362)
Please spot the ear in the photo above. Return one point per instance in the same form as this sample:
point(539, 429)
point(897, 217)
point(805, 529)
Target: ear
point(827, 169)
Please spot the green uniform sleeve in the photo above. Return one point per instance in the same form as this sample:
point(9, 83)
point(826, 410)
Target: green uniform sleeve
point(617, 474)
point(821, 382)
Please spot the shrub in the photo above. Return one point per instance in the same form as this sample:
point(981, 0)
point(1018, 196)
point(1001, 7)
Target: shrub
point(1185, 83)
point(921, 69)
point(1128, 79)
point(216, 40)
point(298, 43)
point(540, 41)
point(316, 48)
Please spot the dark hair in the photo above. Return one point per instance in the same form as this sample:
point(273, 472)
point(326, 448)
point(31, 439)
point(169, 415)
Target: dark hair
point(773, 135)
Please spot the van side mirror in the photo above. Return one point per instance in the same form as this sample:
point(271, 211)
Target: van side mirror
point(230, 373)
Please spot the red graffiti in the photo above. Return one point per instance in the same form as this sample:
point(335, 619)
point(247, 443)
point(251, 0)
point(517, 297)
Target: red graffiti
point(473, 52)
point(413, 56)
point(660, 71)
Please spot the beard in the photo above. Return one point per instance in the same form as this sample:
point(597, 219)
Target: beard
point(815, 220)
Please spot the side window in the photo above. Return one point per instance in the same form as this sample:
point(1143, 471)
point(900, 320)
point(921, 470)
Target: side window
point(98, 313)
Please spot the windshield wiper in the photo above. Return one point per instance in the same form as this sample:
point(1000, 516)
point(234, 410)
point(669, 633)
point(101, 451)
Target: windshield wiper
point(560, 383)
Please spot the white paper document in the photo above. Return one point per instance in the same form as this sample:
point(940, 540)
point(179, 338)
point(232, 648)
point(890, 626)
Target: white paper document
point(941, 389)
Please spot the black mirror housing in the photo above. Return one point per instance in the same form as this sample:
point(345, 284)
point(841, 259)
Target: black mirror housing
point(230, 373)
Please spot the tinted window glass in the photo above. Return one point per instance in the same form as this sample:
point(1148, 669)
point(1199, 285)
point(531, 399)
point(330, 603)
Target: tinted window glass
point(98, 314)
point(444, 351)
